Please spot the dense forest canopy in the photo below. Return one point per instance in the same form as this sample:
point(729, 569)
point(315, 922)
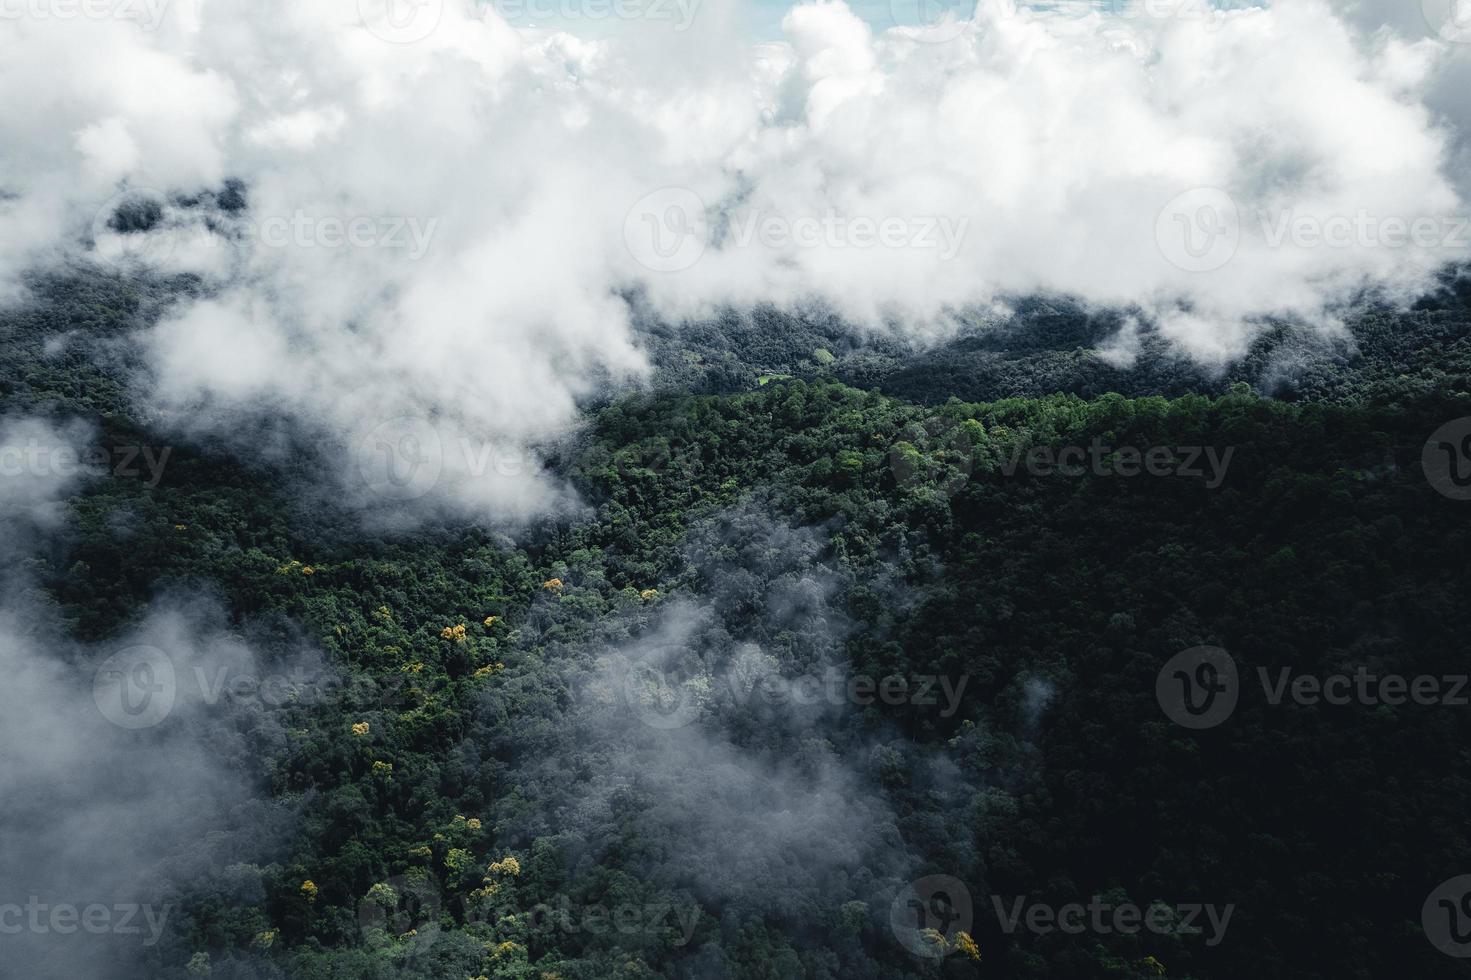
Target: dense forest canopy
point(735, 489)
point(845, 662)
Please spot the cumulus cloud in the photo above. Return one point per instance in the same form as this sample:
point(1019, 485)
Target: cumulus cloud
point(438, 221)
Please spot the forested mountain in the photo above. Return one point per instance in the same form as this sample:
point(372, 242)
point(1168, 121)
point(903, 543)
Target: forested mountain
point(1048, 346)
point(653, 736)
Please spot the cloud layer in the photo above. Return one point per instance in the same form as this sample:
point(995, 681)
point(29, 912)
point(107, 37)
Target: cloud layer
point(438, 217)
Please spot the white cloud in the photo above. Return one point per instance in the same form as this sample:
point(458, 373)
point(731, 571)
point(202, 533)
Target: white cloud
point(457, 199)
point(41, 463)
